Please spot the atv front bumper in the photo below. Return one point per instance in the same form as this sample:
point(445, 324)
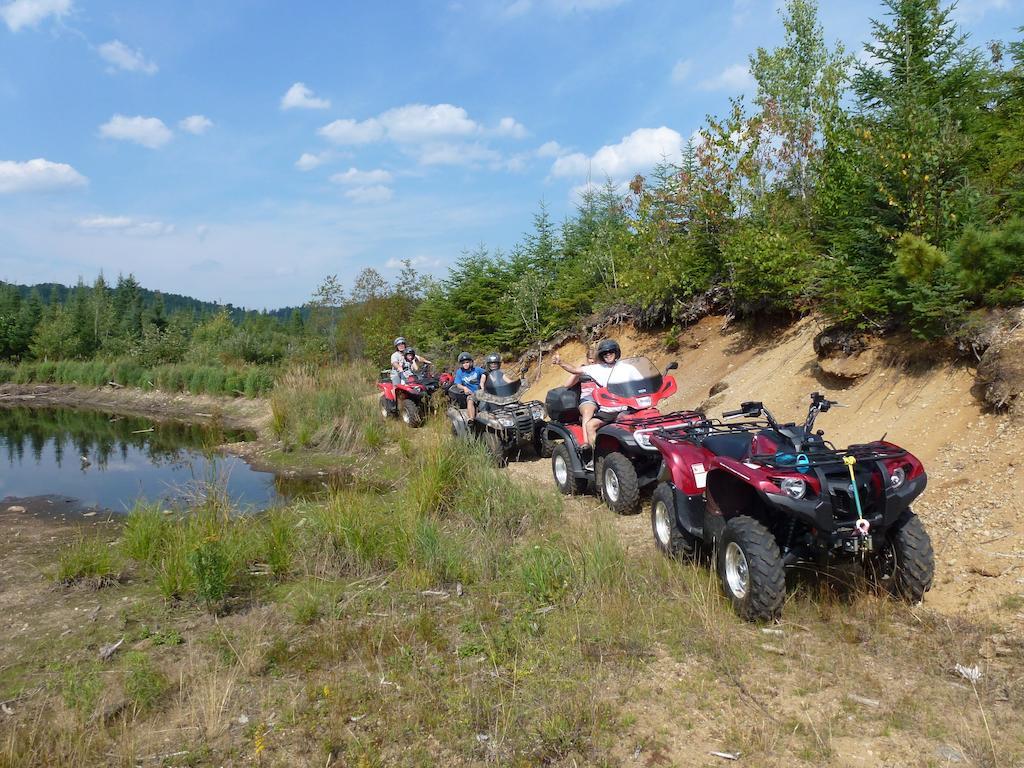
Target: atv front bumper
point(835, 528)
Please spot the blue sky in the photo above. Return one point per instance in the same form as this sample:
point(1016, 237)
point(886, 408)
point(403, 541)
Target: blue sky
point(241, 150)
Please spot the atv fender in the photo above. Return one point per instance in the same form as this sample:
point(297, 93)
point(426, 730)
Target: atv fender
point(553, 431)
point(689, 512)
point(458, 421)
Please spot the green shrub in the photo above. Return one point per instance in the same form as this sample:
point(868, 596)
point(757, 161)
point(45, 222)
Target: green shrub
point(144, 684)
point(81, 686)
point(145, 534)
point(211, 571)
point(88, 559)
point(545, 572)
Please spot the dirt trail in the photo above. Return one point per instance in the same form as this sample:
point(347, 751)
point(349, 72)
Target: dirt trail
point(974, 505)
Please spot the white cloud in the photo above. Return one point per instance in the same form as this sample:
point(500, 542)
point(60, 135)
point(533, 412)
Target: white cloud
point(301, 97)
point(377, 193)
point(550, 149)
point(353, 132)
point(396, 262)
point(37, 174)
point(28, 13)
point(147, 131)
point(309, 161)
point(121, 56)
point(575, 164)
point(741, 10)
point(967, 11)
point(509, 126)
point(681, 70)
point(566, 6)
point(197, 124)
point(733, 78)
point(362, 178)
point(442, 153)
point(126, 225)
point(411, 124)
point(422, 122)
point(522, 7)
point(639, 151)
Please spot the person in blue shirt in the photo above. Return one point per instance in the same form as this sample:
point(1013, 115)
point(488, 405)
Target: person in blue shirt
point(467, 381)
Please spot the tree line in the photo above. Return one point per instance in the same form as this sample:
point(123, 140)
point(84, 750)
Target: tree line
point(883, 190)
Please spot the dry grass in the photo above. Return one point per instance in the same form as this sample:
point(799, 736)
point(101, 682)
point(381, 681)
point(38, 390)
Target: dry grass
point(464, 620)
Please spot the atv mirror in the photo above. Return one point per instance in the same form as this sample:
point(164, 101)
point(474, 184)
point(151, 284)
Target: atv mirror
point(672, 366)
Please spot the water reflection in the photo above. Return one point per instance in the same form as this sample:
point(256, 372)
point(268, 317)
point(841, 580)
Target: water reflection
point(110, 462)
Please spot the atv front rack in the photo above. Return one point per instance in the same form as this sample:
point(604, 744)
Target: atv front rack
point(815, 454)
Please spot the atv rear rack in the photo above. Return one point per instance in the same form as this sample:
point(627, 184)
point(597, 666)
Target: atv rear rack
point(659, 422)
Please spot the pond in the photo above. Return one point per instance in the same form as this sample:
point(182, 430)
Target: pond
point(77, 461)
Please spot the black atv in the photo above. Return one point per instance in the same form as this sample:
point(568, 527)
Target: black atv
point(503, 421)
point(766, 496)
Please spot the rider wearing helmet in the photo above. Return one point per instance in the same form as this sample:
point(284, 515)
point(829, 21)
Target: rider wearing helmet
point(467, 381)
point(398, 359)
point(608, 353)
point(491, 363)
point(411, 363)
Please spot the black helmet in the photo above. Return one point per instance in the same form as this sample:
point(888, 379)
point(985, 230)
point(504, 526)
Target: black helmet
point(400, 340)
point(465, 357)
point(409, 351)
point(493, 360)
point(608, 345)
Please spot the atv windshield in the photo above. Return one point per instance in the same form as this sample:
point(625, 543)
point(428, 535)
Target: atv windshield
point(634, 377)
point(497, 389)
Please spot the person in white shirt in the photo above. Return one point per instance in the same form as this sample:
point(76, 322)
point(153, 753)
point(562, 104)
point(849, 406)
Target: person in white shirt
point(608, 353)
point(398, 359)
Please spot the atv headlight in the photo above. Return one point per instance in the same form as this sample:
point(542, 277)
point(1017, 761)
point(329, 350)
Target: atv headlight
point(506, 421)
point(794, 487)
point(643, 402)
point(643, 439)
point(537, 411)
point(898, 477)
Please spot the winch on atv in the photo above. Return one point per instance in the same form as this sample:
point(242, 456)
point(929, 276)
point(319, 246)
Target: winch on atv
point(766, 495)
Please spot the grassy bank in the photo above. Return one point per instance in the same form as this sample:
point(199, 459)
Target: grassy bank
point(247, 381)
point(458, 619)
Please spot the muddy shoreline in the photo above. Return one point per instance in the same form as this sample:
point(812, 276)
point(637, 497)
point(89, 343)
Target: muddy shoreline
point(229, 413)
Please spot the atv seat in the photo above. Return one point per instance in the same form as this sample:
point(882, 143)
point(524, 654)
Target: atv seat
point(734, 446)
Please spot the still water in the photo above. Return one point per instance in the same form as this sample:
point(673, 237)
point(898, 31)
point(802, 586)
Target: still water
point(103, 461)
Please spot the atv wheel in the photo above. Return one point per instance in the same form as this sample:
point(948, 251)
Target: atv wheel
point(669, 536)
point(496, 447)
point(750, 569)
point(616, 478)
point(543, 447)
point(906, 565)
point(385, 408)
point(561, 468)
point(411, 413)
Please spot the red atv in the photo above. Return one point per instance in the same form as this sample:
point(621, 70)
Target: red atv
point(766, 496)
point(624, 461)
point(409, 399)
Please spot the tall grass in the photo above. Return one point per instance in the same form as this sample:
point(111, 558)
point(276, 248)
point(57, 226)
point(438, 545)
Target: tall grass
point(327, 409)
point(249, 381)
